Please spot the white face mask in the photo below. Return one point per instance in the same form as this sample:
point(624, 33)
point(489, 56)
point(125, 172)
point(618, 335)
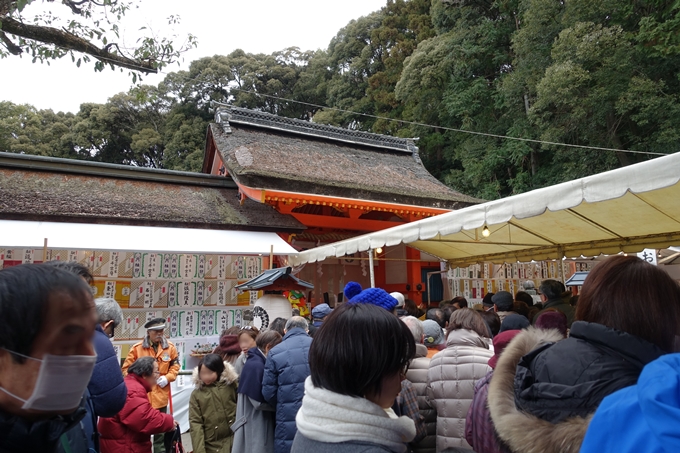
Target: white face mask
point(62, 380)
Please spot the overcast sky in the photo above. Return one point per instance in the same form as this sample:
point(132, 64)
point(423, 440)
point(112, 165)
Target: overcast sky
point(221, 26)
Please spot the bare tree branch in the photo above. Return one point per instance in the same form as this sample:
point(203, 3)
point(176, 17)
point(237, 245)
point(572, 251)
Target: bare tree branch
point(11, 47)
point(75, 5)
point(68, 41)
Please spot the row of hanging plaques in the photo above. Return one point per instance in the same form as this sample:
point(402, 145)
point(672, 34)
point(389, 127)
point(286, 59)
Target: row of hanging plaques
point(145, 265)
point(174, 294)
point(180, 323)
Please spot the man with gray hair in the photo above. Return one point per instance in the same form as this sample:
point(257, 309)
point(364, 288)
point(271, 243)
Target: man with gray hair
point(417, 374)
point(296, 322)
point(283, 384)
point(109, 315)
point(415, 325)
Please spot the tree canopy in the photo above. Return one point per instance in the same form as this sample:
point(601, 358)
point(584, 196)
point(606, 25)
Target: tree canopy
point(593, 74)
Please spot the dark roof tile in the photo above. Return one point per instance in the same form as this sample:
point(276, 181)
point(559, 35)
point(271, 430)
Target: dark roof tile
point(268, 121)
point(43, 195)
point(278, 159)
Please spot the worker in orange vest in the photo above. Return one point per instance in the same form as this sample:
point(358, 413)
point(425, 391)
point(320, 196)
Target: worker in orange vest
point(156, 345)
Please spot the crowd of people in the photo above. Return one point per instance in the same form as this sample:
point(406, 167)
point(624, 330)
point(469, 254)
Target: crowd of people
point(374, 374)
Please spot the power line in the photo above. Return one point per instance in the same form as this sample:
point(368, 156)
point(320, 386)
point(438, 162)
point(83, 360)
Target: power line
point(463, 131)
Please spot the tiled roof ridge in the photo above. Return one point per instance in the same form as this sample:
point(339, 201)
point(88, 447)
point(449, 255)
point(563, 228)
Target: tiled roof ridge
point(50, 164)
point(226, 114)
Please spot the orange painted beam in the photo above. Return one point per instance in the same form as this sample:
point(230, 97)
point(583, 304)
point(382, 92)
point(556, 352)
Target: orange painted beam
point(343, 223)
point(254, 194)
point(274, 197)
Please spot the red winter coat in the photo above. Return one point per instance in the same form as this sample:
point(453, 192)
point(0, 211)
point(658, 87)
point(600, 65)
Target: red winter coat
point(130, 430)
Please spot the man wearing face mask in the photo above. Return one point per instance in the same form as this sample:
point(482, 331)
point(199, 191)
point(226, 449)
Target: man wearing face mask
point(156, 345)
point(106, 391)
point(47, 320)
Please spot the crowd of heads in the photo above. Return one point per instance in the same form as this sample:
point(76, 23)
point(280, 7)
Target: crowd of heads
point(238, 340)
point(362, 348)
point(341, 362)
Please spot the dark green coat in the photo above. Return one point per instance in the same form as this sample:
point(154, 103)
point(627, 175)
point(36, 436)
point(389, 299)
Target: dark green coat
point(212, 410)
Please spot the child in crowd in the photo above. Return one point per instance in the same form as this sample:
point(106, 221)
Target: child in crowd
point(212, 407)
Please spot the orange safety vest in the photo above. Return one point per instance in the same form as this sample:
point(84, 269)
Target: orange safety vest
point(168, 366)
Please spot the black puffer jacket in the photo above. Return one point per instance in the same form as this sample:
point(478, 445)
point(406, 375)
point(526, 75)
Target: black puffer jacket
point(571, 377)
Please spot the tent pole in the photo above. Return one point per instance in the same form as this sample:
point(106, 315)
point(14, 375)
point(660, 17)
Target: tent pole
point(370, 265)
point(45, 251)
point(271, 257)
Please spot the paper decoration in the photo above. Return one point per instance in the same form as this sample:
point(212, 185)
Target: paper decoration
point(237, 316)
point(152, 265)
point(110, 289)
point(188, 323)
point(187, 266)
point(187, 293)
point(221, 320)
point(174, 324)
point(211, 327)
point(201, 266)
point(200, 292)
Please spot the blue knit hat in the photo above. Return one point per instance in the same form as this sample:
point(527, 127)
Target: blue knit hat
point(374, 296)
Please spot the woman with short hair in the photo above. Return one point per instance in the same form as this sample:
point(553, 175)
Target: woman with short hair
point(357, 362)
point(131, 429)
point(628, 315)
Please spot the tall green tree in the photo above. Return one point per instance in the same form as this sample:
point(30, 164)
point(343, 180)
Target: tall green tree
point(24, 129)
point(600, 74)
point(597, 79)
point(366, 58)
point(460, 75)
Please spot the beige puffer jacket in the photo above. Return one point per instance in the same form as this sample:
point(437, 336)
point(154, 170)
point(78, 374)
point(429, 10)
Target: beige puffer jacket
point(451, 380)
point(417, 374)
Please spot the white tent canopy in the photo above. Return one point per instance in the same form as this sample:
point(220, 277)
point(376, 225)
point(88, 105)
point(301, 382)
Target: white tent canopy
point(24, 234)
point(627, 210)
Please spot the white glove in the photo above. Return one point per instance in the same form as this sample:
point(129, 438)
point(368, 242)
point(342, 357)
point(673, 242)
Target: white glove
point(162, 381)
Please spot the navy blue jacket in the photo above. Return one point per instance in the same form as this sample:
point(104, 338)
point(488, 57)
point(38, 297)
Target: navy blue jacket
point(283, 384)
point(107, 388)
point(105, 396)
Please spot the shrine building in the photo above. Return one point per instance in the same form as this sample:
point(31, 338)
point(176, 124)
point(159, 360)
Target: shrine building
point(308, 183)
point(339, 184)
